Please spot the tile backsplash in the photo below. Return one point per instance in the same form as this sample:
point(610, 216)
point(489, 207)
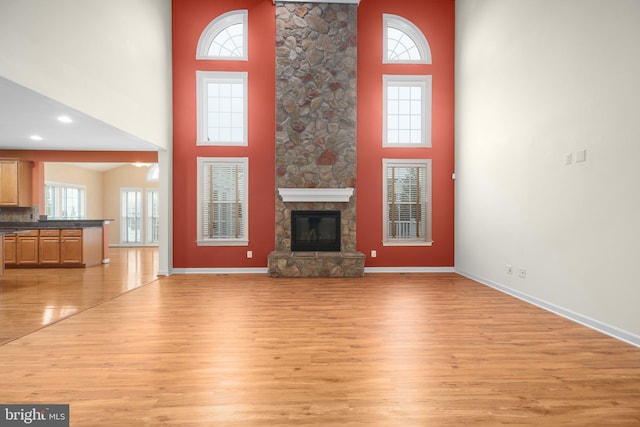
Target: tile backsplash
point(15, 214)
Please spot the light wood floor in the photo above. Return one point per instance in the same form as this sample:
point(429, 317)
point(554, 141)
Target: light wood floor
point(33, 298)
point(385, 350)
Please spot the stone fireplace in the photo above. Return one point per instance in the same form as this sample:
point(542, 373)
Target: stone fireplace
point(316, 99)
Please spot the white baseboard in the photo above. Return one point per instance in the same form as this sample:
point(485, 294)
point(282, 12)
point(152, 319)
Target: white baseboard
point(612, 331)
point(409, 270)
point(265, 270)
point(259, 270)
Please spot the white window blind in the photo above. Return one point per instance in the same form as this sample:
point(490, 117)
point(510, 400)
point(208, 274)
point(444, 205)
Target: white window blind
point(407, 193)
point(223, 201)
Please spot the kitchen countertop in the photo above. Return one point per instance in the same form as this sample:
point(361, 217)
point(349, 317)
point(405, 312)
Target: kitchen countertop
point(4, 231)
point(55, 223)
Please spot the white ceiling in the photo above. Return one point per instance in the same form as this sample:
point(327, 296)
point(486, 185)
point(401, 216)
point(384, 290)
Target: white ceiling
point(24, 112)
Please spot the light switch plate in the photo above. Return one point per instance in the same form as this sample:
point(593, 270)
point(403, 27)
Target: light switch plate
point(568, 158)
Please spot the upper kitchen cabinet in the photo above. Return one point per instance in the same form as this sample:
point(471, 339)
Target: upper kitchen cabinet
point(15, 182)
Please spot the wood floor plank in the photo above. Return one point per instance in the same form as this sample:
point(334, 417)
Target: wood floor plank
point(383, 350)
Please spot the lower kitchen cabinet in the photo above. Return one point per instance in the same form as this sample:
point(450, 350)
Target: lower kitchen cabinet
point(49, 250)
point(27, 253)
point(54, 248)
point(10, 249)
point(71, 247)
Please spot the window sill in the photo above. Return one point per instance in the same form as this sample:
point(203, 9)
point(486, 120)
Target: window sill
point(202, 143)
point(222, 242)
point(407, 243)
point(404, 145)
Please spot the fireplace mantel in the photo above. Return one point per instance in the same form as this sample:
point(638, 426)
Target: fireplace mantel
point(321, 195)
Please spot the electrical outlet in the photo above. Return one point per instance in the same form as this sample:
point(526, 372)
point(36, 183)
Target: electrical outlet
point(509, 269)
point(249, 254)
point(373, 254)
point(522, 272)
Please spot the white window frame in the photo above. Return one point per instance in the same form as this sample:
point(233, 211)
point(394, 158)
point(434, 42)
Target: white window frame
point(123, 217)
point(412, 32)
point(218, 25)
point(59, 189)
point(424, 82)
point(152, 217)
point(203, 78)
point(242, 240)
point(426, 194)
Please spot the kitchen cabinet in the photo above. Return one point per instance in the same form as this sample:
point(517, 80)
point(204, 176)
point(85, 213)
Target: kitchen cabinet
point(10, 249)
point(15, 182)
point(49, 247)
point(27, 248)
point(71, 247)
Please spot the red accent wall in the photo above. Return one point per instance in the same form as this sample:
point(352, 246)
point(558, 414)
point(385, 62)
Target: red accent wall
point(190, 17)
point(435, 18)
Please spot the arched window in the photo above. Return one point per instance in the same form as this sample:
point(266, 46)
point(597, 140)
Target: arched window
point(153, 173)
point(403, 42)
point(225, 38)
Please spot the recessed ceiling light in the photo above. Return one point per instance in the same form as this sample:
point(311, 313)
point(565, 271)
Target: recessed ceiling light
point(64, 119)
point(36, 137)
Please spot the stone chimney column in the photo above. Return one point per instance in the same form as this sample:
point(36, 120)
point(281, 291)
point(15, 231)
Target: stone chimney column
point(316, 103)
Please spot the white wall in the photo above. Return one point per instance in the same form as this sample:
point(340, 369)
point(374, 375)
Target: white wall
point(109, 59)
point(64, 173)
point(537, 80)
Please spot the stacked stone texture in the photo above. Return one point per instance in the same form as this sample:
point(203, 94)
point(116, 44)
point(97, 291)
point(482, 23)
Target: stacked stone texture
point(316, 65)
point(316, 97)
point(319, 264)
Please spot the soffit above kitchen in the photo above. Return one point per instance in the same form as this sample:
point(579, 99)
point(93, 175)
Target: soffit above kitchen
point(26, 115)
